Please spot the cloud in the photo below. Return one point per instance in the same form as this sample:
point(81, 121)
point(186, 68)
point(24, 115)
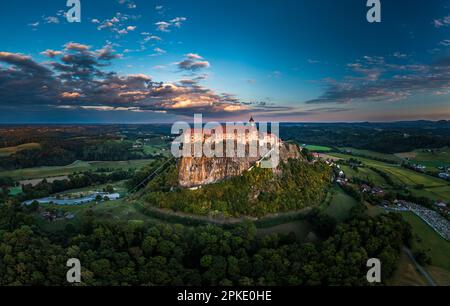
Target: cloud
point(70, 95)
point(442, 22)
point(34, 25)
point(76, 46)
point(117, 24)
point(193, 62)
point(51, 53)
point(76, 78)
point(165, 26)
point(130, 4)
point(399, 55)
point(275, 74)
point(158, 51)
point(374, 80)
point(51, 19)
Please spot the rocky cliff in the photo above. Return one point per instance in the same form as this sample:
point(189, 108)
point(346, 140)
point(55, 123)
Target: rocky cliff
point(197, 171)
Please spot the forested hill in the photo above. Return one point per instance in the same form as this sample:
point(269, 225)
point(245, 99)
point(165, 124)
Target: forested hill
point(255, 193)
point(114, 254)
point(381, 137)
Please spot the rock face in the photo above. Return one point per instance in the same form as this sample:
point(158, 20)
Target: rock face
point(198, 171)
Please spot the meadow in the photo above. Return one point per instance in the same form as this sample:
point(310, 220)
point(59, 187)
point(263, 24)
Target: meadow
point(432, 187)
point(340, 205)
point(78, 166)
point(314, 148)
point(427, 239)
point(11, 150)
point(432, 159)
point(372, 154)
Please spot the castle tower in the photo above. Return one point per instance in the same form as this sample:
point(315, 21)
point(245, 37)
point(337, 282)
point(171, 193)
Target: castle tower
point(252, 122)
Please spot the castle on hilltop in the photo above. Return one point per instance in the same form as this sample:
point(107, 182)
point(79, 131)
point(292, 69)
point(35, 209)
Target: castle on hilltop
point(241, 134)
point(249, 138)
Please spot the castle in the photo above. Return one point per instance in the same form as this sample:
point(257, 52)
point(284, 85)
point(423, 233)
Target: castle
point(239, 134)
point(197, 171)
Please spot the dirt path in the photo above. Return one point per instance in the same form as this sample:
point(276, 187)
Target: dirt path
point(419, 267)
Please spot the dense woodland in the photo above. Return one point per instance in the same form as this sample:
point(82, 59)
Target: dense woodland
point(380, 137)
point(255, 193)
point(160, 254)
point(62, 145)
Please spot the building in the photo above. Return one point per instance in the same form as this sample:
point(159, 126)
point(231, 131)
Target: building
point(243, 134)
point(444, 176)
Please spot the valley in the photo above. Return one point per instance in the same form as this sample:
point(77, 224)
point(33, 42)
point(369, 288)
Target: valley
point(224, 203)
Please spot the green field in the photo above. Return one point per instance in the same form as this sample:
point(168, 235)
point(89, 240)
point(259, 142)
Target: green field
point(43, 172)
point(429, 239)
point(365, 174)
point(314, 148)
point(15, 191)
point(406, 274)
point(11, 150)
point(340, 204)
point(432, 160)
point(118, 211)
point(372, 154)
point(300, 228)
point(155, 149)
point(434, 188)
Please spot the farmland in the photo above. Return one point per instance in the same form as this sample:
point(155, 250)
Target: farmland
point(315, 148)
point(372, 154)
point(427, 239)
point(434, 188)
point(11, 150)
point(78, 166)
point(430, 158)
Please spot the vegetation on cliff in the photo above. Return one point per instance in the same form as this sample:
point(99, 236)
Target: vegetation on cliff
point(255, 193)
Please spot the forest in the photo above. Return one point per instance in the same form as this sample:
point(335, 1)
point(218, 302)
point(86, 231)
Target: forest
point(392, 137)
point(157, 254)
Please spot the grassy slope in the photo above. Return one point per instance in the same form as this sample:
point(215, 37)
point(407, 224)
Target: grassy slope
point(11, 150)
point(438, 158)
point(429, 239)
point(318, 148)
point(435, 188)
point(364, 174)
point(340, 205)
point(373, 154)
point(406, 274)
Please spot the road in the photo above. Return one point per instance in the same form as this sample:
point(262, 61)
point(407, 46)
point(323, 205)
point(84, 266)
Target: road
point(419, 267)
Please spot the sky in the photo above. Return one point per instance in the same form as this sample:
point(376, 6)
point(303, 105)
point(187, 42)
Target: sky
point(133, 61)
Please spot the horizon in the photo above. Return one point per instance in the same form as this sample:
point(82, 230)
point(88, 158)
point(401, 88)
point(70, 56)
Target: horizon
point(45, 124)
point(143, 62)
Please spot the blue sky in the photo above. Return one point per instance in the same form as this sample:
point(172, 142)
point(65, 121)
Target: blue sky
point(161, 61)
